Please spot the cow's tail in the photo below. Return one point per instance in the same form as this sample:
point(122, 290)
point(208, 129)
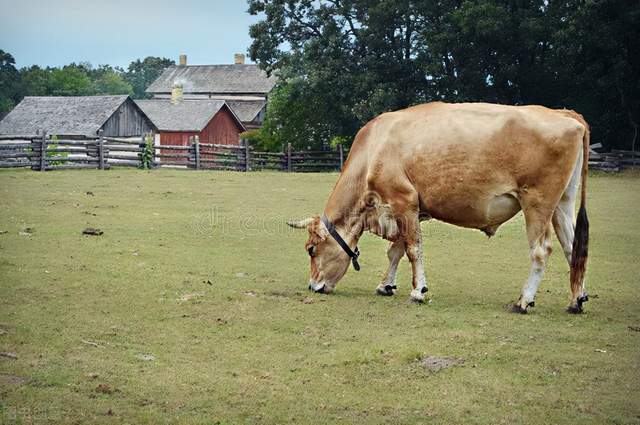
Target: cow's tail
point(580, 250)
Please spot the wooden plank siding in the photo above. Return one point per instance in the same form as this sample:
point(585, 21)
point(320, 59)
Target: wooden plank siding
point(222, 129)
point(127, 121)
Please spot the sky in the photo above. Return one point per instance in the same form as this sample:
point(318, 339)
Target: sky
point(116, 32)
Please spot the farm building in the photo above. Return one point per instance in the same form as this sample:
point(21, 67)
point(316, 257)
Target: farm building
point(243, 86)
point(211, 120)
point(77, 116)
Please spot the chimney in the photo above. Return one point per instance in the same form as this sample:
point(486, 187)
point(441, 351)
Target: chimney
point(238, 59)
point(183, 60)
point(176, 93)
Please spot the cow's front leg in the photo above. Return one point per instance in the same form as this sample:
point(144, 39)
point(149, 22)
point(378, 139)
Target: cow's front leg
point(394, 253)
point(413, 248)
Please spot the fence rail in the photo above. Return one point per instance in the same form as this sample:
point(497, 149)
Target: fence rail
point(41, 152)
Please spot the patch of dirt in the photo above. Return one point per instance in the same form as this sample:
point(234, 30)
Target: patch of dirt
point(435, 364)
point(9, 355)
point(191, 296)
point(104, 389)
point(277, 294)
point(631, 328)
point(13, 379)
point(307, 300)
point(27, 231)
point(146, 357)
point(92, 231)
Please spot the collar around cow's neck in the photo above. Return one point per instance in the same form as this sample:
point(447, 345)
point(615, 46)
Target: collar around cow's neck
point(353, 254)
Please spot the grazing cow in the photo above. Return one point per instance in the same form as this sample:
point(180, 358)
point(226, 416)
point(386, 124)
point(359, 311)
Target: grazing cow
point(473, 165)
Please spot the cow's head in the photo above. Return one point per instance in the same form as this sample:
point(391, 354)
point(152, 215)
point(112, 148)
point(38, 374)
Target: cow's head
point(329, 262)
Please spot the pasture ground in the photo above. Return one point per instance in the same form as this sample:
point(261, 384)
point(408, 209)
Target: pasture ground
point(192, 308)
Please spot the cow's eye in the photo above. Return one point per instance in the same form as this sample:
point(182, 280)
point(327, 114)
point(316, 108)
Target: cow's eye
point(312, 251)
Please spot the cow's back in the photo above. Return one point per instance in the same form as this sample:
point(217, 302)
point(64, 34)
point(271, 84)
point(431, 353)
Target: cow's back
point(460, 156)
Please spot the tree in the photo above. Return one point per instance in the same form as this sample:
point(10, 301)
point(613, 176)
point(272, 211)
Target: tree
point(110, 80)
point(347, 62)
point(35, 81)
point(140, 74)
point(9, 82)
point(353, 59)
point(71, 80)
point(599, 59)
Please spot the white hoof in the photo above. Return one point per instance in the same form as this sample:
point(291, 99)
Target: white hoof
point(417, 296)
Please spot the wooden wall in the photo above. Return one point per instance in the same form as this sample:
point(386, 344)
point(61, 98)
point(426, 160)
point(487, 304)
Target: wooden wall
point(180, 138)
point(127, 121)
point(222, 129)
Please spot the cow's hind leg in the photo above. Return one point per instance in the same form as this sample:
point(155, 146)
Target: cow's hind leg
point(563, 224)
point(394, 253)
point(538, 233)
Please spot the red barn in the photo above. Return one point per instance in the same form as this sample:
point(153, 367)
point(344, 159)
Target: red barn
point(177, 120)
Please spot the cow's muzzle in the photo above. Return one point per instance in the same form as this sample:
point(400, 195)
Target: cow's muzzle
point(317, 289)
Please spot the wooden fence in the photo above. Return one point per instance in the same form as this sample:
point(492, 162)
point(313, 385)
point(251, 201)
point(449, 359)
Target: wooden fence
point(244, 158)
point(614, 161)
point(47, 153)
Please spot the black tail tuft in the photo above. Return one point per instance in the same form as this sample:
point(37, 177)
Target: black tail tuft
point(580, 251)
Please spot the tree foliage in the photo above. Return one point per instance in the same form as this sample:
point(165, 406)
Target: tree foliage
point(9, 82)
point(342, 62)
point(75, 79)
point(141, 73)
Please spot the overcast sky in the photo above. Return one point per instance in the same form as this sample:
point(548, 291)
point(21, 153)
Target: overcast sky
point(115, 32)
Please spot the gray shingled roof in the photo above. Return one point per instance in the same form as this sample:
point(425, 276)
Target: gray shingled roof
point(214, 79)
point(60, 115)
point(188, 115)
point(246, 110)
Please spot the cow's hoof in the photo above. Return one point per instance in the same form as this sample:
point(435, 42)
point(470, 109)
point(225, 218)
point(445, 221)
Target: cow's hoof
point(386, 290)
point(516, 308)
point(417, 296)
point(575, 309)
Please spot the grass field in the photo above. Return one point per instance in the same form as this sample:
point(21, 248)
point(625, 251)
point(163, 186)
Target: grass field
point(192, 308)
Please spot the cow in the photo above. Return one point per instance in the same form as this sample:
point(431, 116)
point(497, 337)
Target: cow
point(473, 165)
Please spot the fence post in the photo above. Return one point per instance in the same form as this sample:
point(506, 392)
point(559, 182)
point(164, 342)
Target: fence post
point(341, 155)
point(246, 155)
point(288, 157)
point(43, 151)
point(154, 160)
point(100, 150)
point(196, 147)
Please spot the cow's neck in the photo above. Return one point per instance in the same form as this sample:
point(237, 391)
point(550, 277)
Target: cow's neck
point(343, 206)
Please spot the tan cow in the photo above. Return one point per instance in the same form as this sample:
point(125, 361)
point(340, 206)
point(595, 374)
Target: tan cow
point(473, 165)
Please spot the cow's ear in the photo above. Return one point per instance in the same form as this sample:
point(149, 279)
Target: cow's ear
point(302, 224)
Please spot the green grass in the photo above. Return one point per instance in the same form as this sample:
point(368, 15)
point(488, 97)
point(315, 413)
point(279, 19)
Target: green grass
point(247, 349)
